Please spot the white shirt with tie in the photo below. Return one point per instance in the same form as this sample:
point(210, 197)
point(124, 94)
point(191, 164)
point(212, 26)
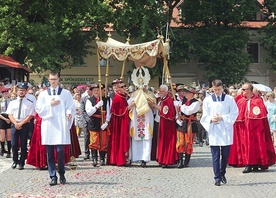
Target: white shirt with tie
point(27, 108)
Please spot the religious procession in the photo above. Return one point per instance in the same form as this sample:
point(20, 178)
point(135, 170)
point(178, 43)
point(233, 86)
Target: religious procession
point(138, 123)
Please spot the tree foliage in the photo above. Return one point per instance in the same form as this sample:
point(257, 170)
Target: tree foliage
point(217, 39)
point(47, 34)
point(142, 19)
point(269, 32)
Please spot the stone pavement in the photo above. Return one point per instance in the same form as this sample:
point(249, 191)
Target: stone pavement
point(153, 181)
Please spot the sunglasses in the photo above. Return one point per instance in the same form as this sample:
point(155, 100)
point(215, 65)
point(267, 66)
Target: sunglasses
point(244, 89)
point(124, 86)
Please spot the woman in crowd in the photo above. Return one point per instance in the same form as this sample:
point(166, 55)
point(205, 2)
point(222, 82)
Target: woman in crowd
point(79, 120)
point(5, 123)
point(271, 108)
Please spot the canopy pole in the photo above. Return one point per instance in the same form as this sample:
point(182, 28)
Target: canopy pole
point(99, 77)
point(166, 67)
point(123, 70)
point(106, 77)
point(169, 77)
point(107, 71)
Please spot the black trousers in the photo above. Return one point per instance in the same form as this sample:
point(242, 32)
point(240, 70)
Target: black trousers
point(21, 135)
point(86, 140)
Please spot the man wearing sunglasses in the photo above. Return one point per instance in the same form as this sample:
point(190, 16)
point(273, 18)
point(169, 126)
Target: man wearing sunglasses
point(252, 147)
point(119, 140)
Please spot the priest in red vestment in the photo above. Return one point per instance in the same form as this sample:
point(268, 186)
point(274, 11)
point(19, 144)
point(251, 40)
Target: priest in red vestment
point(119, 140)
point(166, 147)
point(253, 147)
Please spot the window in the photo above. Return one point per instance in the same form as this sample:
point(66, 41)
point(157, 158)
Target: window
point(103, 62)
point(253, 50)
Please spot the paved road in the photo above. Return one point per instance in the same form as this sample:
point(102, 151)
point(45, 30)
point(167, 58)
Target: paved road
point(153, 181)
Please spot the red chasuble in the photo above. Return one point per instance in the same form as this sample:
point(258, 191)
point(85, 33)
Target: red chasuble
point(252, 139)
point(119, 140)
point(166, 148)
point(37, 153)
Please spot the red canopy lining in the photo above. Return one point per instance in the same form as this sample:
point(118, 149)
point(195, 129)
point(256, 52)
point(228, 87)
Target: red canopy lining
point(8, 61)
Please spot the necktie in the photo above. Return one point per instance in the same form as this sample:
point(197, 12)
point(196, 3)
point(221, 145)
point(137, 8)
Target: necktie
point(6, 104)
point(218, 98)
point(19, 110)
point(54, 91)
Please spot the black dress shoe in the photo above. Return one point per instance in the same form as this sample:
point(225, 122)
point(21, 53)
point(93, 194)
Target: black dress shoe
point(102, 162)
point(255, 169)
point(62, 180)
point(53, 181)
point(247, 169)
point(14, 165)
point(94, 162)
point(86, 157)
point(164, 166)
point(143, 164)
point(128, 163)
point(217, 183)
point(21, 167)
point(223, 179)
point(8, 155)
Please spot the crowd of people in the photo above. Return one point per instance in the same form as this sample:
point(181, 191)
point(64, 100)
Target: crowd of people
point(137, 124)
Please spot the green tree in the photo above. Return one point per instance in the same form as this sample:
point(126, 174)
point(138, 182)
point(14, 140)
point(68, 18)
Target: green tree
point(47, 34)
point(142, 19)
point(269, 32)
point(217, 37)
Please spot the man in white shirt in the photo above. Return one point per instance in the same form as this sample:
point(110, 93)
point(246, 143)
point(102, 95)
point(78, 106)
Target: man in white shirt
point(57, 109)
point(20, 112)
point(220, 112)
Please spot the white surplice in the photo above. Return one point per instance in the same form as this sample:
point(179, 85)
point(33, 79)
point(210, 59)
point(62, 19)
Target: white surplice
point(55, 127)
point(220, 134)
point(141, 146)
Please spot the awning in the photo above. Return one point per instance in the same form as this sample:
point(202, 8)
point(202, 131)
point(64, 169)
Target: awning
point(9, 62)
point(143, 54)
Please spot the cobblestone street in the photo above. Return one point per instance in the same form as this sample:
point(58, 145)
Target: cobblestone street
point(153, 181)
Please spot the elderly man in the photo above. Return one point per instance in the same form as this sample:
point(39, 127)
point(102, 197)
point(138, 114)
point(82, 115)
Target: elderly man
point(166, 152)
